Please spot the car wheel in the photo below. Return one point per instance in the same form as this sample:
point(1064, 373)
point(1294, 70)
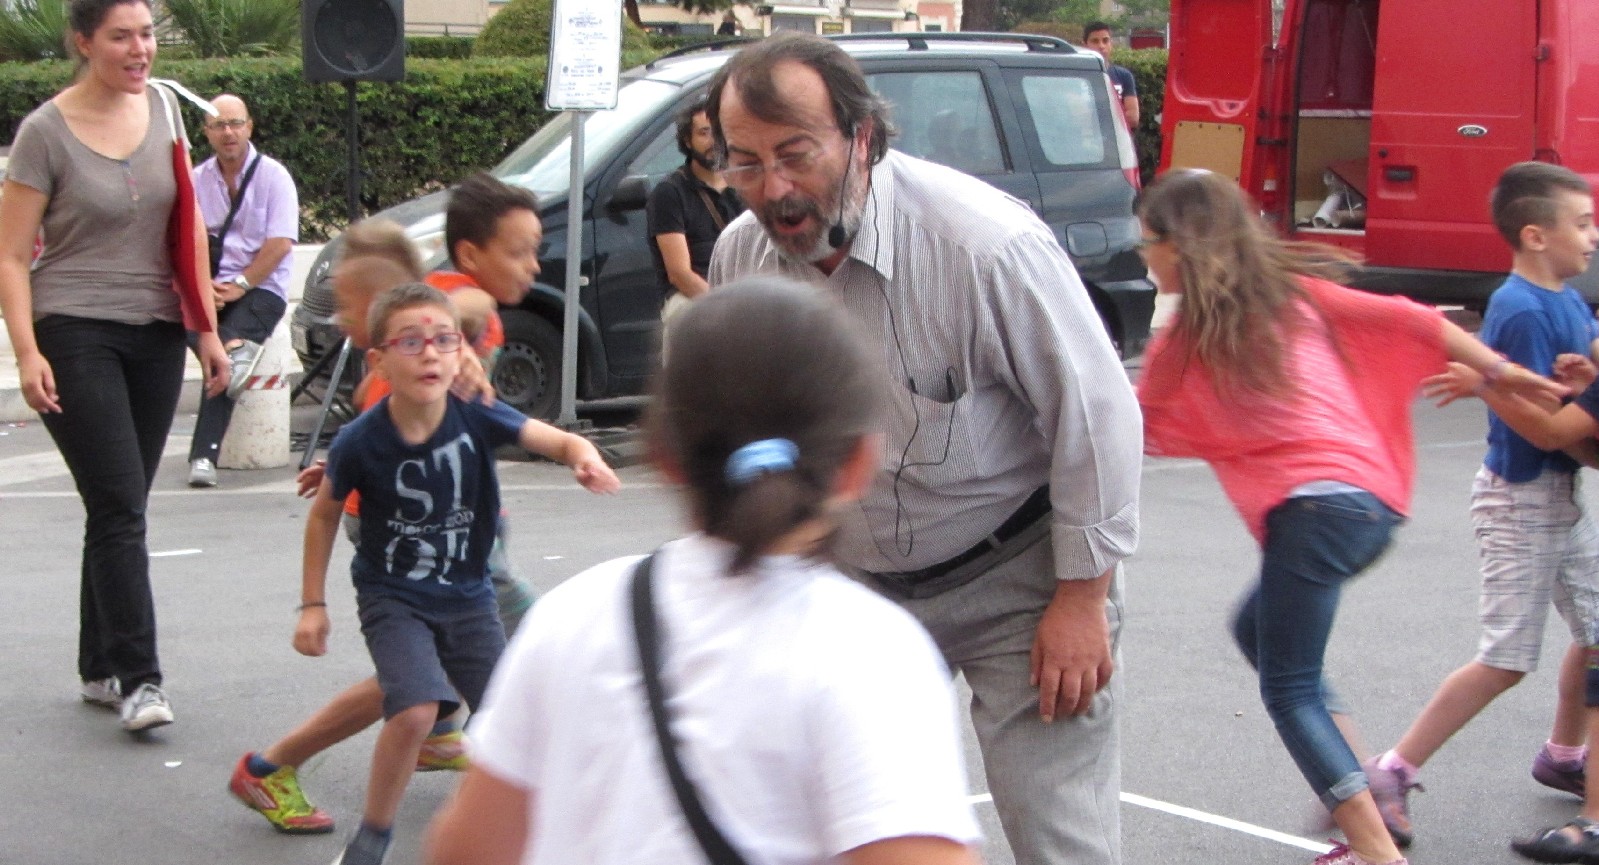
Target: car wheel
point(528, 373)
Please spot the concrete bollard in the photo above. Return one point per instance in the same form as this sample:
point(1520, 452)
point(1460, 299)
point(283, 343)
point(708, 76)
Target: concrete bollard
point(258, 435)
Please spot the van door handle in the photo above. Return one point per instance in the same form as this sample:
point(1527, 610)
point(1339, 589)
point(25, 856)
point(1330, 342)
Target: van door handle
point(1399, 173)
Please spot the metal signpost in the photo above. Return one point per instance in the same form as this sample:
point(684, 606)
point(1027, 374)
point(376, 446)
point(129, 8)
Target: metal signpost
point(585, 53)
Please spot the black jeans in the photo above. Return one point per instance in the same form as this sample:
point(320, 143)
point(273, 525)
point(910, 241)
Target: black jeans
point(252, 317)
point(118, 386)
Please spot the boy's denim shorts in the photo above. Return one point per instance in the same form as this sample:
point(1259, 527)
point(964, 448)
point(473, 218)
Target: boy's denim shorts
point(427, 656)
point(1537, 546)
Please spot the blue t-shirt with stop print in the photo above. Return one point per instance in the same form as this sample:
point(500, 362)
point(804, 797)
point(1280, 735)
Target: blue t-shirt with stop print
point(428, 511)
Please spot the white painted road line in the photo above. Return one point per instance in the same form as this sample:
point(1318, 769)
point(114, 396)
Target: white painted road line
point(1202, 817)
point(166, 554)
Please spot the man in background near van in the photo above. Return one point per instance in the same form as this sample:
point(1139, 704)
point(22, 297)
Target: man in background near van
point(687, 212)
point(1097, 36)
point(1007, 493)
point(253, 198)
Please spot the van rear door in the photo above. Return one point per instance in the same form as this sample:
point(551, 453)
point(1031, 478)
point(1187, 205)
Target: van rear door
point(1218, 77)
point(1453, 106)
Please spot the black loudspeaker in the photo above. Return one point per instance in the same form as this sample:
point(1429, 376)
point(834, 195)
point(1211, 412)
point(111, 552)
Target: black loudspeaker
point(353, 40)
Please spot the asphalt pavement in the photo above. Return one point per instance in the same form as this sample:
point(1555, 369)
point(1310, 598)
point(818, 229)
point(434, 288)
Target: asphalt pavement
point(1205, 779)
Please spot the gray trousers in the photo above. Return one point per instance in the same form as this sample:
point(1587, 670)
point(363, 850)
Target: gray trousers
point(1056, 786)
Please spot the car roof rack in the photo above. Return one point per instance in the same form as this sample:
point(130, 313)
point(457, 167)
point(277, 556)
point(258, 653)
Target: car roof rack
point(712, 45)
point(919, 41)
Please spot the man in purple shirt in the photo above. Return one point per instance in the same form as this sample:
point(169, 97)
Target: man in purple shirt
point(252, 213)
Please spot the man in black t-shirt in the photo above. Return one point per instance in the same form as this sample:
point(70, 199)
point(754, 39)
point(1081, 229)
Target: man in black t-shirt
point(1097, 37)
point(687, 211)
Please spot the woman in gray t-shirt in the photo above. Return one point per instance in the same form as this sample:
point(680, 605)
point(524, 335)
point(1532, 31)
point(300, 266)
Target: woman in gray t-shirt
point(96, 328)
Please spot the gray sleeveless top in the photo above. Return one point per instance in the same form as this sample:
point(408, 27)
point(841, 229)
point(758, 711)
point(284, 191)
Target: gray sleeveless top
point(105, 225)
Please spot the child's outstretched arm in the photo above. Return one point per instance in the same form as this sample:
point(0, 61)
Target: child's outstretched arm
point(321, 526)
point(1547, 429)
point(1507, 377)
point(472, 380)
point(575, 451)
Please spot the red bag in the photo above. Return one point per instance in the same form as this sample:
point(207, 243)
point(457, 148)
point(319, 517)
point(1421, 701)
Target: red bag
point(189, 260)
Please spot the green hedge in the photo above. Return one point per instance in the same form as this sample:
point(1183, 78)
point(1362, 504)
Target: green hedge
point(446, 120)
point(439, 47)
point(1148, 66)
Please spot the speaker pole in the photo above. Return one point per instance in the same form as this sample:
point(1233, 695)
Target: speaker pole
point(352, 178)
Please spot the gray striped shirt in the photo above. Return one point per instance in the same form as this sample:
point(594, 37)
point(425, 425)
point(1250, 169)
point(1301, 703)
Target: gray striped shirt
point(1005, 377)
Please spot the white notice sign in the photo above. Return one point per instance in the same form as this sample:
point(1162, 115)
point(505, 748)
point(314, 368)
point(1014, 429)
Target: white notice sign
point(585, 53)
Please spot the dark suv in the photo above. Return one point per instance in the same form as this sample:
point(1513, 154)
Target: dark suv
point(1029, 114)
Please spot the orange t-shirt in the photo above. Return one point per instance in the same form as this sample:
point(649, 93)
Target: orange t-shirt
point(373, 389)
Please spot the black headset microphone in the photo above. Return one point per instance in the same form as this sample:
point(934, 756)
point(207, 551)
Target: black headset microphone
point(837, 236)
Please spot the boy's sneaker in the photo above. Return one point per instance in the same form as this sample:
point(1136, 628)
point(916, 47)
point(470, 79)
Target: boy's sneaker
point(1391, 789)
point(102, 692)
point(279, 799)
point(1567, 776)
point(1555, 845)
point(145, 708)
point(445, 752)
point(365, 848)
point(243, 357)
point(1341, 855)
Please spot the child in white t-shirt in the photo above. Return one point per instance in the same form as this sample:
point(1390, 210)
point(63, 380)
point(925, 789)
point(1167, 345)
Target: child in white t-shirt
point(815, 719)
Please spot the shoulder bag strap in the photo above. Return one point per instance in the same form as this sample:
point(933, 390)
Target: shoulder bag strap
point(716, 215)
point(239, 199)
point(716, 846)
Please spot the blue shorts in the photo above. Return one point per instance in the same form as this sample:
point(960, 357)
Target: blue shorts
point(428, 656)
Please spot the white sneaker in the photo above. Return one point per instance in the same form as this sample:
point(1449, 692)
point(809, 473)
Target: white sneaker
point(102, 692)
point(244, 357)
point(202, 473)
point(145, 708)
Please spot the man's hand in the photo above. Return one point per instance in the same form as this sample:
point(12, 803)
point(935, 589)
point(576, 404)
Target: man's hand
point(223, 293)
point(311, 634)
point(1071, 653)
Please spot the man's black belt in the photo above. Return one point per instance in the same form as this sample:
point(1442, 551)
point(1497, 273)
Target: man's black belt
point(1031, 511)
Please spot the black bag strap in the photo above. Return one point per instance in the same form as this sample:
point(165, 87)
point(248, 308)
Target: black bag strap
point(239, 199)
point(716, 846)
point(705, 196)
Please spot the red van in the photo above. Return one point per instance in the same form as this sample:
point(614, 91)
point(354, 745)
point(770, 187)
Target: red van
point(1381, 125)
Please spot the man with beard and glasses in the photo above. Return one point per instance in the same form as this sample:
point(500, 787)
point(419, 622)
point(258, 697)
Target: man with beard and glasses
point(1008, 489)
point(686, 213)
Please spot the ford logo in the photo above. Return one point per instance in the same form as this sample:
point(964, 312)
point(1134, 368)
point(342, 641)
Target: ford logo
point(1472, 130)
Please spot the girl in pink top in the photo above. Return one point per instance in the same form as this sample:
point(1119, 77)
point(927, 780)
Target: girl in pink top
point(1297, 391)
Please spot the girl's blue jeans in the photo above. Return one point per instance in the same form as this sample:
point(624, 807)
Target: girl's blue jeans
point(1314, 544)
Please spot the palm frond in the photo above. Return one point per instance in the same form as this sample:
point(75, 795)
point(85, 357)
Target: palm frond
point(33, 30)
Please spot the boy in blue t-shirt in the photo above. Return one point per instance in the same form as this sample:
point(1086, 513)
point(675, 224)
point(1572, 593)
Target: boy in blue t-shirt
point(423, 462)
point(1535, 539)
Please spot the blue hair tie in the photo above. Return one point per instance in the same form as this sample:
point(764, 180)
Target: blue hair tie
point(758, 458)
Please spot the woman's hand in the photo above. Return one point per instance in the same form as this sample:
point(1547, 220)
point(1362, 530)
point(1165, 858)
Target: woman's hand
point(214, 361)
point(38, 384)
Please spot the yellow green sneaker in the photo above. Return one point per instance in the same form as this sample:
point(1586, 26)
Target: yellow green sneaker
point(445, 752)
point(278, 798)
